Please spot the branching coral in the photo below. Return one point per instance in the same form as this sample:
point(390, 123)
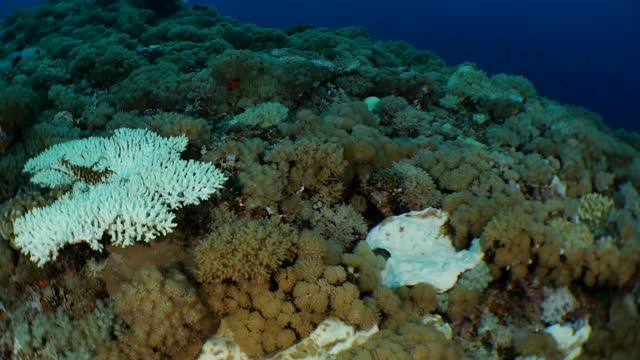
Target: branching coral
point(141, 178)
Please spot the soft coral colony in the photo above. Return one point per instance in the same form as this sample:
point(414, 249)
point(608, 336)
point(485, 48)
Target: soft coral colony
point(175, 184)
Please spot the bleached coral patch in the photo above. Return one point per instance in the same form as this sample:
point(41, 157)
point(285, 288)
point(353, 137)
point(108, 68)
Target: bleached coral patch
point(420, 252)
point(126, 186)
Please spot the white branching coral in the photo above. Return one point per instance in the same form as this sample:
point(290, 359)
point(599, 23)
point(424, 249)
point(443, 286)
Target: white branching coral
point(125, 186)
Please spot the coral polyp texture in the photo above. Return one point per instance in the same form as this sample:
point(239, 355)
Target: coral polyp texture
point(125, 186)
point(378, 203)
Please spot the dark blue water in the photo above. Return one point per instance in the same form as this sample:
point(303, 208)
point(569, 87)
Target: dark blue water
point(584, 52)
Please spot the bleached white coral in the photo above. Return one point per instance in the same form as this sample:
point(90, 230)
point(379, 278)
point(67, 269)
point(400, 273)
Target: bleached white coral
point(420, 252)
point(129, 185)
point(557, 304)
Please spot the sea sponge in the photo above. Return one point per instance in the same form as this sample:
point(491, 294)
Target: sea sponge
point(164, 314)
point(243, 250)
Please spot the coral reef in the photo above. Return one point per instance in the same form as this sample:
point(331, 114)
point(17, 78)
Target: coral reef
point(131, 110)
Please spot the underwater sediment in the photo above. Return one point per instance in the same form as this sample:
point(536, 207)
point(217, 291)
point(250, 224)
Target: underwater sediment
point(175, 184)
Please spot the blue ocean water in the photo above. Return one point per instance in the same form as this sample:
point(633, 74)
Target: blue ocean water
point(582, 52)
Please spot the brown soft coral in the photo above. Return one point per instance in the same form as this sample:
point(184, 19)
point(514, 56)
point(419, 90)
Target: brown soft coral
point(462, 165)
point(164, 314)
point(175, 124)
point(341, 223)
point(266, 314)
point(243, 250)
point(366, 265)
point(314, 166)
point(469, 213)
point(409, 341)
point(513, 236)
point(616, 331)
point(410, 185)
